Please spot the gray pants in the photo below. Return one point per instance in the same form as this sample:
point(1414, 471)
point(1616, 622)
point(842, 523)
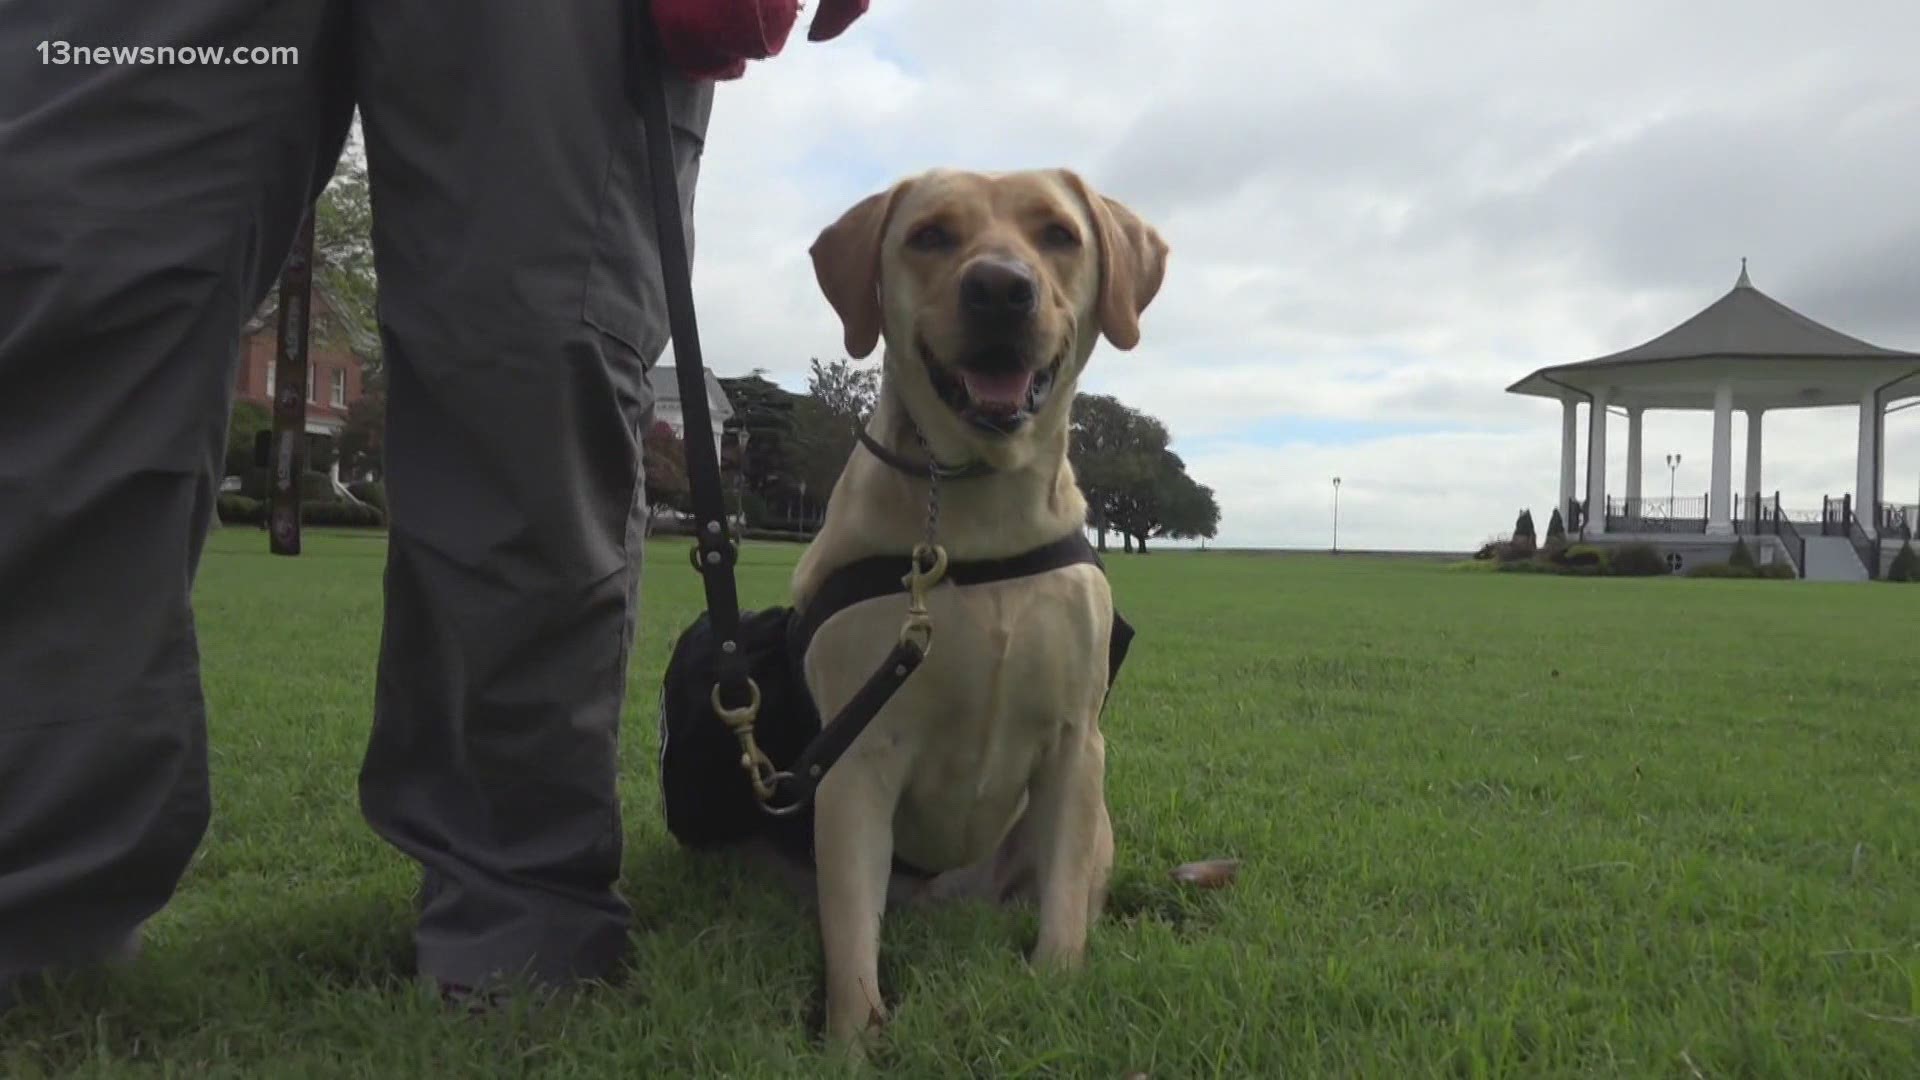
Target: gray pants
point(144, 212)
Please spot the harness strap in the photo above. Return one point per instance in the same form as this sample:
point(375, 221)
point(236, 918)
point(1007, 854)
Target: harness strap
point(879, 576)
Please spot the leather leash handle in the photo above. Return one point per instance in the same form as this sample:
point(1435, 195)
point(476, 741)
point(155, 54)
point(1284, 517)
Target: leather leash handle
point(715, 554)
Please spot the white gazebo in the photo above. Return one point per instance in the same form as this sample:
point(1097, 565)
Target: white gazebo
point(1745, 351)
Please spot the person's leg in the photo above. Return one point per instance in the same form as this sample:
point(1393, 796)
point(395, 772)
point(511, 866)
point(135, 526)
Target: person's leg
point(143, 209)
point(521, 305)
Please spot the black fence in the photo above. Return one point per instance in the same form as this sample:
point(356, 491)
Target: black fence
point(1668, 514)
point(1892, 523)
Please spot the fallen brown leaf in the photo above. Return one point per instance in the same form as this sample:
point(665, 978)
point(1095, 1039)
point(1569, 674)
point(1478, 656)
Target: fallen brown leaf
point(1208, 873)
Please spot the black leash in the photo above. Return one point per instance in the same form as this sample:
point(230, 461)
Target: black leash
point(736, 698)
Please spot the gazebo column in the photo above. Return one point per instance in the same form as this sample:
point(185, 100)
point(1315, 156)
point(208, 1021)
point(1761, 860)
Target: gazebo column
point(1866, 487)
point(1633, 461)
point(1753, 454)
point(1569, 446)
point(1597, 463)
point(1720, 495)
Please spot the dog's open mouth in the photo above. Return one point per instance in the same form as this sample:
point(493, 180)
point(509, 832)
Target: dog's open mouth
point(994, 392)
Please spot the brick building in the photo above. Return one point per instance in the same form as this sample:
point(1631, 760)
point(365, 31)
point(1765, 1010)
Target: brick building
point(334, 352)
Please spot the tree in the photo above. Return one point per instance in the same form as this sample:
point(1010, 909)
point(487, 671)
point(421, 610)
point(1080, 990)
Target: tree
point(246, 421)
point(843, 389)
point(1156, 498)
point(764, 410)
point(343, 249)
point(1525, 541)
point(1113, 449)
point(666, 471)
point(828, 419)
point(1189, 510)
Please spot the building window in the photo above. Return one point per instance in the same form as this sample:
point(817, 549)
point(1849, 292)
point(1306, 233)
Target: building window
point(272, 369)
point(339, 381)
point(313, 373)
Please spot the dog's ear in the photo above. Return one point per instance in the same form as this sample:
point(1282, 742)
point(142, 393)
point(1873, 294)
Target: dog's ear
point(1133, 262)
point(846, 263)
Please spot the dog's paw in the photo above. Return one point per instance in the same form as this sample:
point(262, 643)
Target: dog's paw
point(854, 1034)
point(1058, 959)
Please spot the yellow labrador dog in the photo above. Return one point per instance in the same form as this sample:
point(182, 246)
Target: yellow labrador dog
point(987, 768)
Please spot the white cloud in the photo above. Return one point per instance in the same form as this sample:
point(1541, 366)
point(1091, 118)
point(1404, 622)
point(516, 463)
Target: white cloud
point(1380, 215)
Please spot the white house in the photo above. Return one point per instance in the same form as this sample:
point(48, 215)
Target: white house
point(665, 382)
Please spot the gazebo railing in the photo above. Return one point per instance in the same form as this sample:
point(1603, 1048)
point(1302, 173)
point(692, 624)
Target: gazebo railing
point(1834, 514)
point(1789, 535)
point(1892, 522)
point(1685, 514)
point(1762, 515)
point(1866, 547)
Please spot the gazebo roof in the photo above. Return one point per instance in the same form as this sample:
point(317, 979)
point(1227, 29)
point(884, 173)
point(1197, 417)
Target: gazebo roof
point(1773, 356)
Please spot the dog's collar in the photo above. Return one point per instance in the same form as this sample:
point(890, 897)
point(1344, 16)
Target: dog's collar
point(918, 469)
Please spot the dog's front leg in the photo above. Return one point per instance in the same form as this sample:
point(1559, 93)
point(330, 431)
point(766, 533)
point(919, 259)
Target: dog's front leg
point(1074, 844)
point(853, 845)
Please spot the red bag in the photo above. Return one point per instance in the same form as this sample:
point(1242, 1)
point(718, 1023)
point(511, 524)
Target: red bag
point(714, 39)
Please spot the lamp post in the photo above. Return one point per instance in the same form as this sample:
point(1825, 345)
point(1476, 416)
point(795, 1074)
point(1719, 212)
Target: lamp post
point(740, 476)
point(1673, 468)
point(1336, 515)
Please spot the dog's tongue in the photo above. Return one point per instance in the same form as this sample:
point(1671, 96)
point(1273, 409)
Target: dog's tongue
point(999, 392)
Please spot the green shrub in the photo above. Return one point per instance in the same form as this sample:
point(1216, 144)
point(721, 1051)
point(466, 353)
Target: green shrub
point(1526, 566)
point(1741, 557)
point(240, 510)
point(340, 512)
point(1906, 565)
point(1719, 570)
point(314, 486)
point(1524, 542)
point(1586, 557)
point(1778, 571)
point(1556, 529)
point(1637, 560)
point(373, 492)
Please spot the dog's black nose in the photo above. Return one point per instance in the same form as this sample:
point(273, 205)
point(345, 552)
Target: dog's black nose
point(999, 291)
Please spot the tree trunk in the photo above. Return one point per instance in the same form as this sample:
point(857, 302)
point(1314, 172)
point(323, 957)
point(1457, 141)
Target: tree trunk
point(1127, 539)
point(1143, 543)
point(1102, 530)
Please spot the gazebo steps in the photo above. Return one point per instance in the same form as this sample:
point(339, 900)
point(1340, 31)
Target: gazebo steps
point(1831, 558)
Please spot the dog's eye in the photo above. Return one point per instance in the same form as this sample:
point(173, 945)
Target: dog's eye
point(1057, 235)
point(930, 237)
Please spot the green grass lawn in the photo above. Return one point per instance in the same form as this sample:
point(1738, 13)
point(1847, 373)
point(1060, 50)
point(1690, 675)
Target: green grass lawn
point(1492, 825)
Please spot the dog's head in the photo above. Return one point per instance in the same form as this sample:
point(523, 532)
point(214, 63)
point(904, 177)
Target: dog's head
point(990, 290)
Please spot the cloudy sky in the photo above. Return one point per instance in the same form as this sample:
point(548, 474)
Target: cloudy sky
point(1381, 215)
